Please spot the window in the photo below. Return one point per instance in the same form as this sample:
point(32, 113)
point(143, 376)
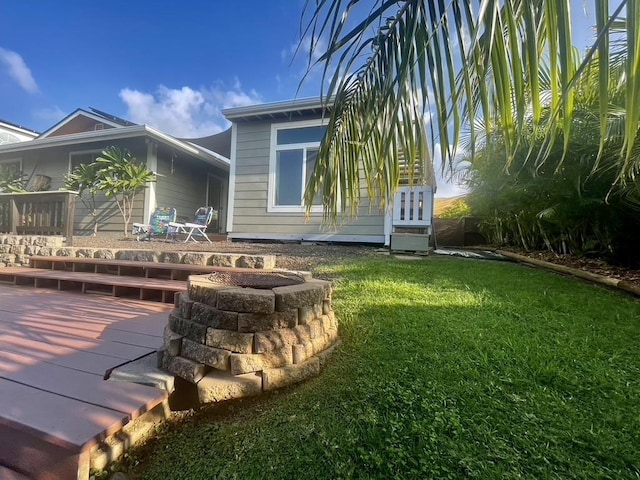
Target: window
point(78, 158)
point(294, 150)
point(11, 175)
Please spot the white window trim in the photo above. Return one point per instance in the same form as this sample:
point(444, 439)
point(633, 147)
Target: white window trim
point(273, 148)
point(81, 152)
point(17, 160)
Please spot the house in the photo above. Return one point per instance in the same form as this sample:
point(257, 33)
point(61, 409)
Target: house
point(273, 151)
point(190, 174)
point(12, 133)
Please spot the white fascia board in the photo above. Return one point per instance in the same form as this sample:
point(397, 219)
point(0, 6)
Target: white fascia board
point(276, 107)
point(116, 134)
point(18, 129)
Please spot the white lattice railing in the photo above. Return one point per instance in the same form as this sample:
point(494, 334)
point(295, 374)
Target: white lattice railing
point(412, 207)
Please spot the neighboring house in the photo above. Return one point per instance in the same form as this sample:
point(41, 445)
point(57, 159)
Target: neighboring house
point(190, 175)
point(12, 133)
point(273, 151)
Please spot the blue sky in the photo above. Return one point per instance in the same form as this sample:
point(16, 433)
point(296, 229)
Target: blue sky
point(171, 65)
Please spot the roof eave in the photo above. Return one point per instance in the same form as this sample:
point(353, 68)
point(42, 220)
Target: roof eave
point(117, 134)
point(278, 109)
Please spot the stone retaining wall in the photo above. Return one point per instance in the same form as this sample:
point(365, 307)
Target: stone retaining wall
point(16, 249)
point(232, 341)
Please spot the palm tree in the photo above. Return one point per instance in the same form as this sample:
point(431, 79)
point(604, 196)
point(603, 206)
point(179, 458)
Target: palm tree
point(457, 61)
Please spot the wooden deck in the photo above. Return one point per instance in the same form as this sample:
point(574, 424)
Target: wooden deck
point(55, 348)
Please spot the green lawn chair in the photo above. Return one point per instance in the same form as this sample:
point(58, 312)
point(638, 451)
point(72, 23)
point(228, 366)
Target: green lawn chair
point(158, 225)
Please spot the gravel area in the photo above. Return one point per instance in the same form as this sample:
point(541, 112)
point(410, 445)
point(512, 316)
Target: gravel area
point(293, 256)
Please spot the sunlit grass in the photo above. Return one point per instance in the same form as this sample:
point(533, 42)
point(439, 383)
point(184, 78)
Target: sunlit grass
point(449, 368)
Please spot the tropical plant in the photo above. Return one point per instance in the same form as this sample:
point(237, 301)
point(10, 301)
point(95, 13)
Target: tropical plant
point(459, 61)
point(85, 179)
point(572, 202)
point(121, 178)
point(11, 179)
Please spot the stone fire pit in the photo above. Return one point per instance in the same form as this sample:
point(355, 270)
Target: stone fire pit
point(238, 332)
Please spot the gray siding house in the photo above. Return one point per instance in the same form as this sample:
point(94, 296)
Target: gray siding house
point(273, 151)
point(191, 175)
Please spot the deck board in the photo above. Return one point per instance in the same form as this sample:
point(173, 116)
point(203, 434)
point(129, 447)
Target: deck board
point(54, 350)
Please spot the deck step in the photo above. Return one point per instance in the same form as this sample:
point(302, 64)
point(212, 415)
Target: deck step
point(114, 285)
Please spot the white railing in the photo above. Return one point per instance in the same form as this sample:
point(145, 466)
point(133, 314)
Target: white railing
point(412, 207)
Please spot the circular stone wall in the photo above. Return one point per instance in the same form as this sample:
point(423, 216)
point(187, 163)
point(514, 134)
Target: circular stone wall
point(239, 332)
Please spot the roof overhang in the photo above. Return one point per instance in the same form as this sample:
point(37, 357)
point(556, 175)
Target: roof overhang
point(279, 110)
point(120, 133)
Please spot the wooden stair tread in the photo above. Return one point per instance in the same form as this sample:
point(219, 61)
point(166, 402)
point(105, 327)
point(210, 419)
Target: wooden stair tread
point(56, 419)
point(127, 398)
point(95, 278)
point(128, 263)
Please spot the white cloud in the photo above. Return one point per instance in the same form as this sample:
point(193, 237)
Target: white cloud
point(18, 70)
point(303, 49)
point(446, 186)
point(186, 112)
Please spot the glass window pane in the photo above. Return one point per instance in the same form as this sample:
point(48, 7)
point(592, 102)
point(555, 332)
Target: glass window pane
point(288, 136)
point(288, 177)
point(312, 156)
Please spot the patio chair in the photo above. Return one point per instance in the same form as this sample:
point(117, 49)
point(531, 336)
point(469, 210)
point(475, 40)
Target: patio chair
point(158, 226)
point(201, 221)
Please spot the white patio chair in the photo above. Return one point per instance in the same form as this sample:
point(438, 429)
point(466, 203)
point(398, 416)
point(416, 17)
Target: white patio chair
point(201, 221)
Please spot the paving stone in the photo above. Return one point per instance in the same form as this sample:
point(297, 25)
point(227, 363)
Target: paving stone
point(303, 333)
point(105, 253)
point(259, 322)
point(326, 307)
point(247, 300)
point(300, 353)
point(5, 248)
point(274, 340)
point(317, 309)
point(212, 317)
point(320, 343)
point(184, 368)
point(218, 386)
point(233, 341)
point(171, 257)
point(213, 357)
point(18, 249)
point(203, 290)
point(189, 329)
point(194, 258)
point(316, 328)
point(172, 341)
point(185, 304)
point(256, 261)
point(66, 252)
point(223, 260)
point(137, 255)
point(296, 296)
point(255, 362)
point(273, 378)
point(326, 322)
point(45, 251)
point(333, 319)
point(32, 250)
point(306, 314)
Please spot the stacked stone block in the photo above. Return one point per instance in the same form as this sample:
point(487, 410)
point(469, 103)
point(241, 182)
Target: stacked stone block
point(15, 250)
point(232, 341)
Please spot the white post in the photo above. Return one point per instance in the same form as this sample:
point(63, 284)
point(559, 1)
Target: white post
point(150, 191)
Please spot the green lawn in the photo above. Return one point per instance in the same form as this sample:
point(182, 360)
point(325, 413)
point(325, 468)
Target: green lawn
point(449, 368)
